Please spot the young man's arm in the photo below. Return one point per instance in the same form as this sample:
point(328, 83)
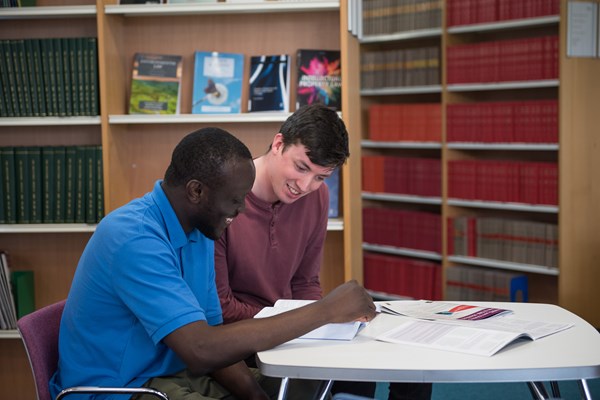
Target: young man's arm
point(205, 348)
point(305, 283)
point(233, 309)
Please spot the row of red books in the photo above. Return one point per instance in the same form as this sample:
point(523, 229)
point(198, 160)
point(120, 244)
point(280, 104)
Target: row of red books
point(408, 122)
point(466, 12)
point(402, 276)
point(503, 61)
point(464, 283)
point(415, 230)
point(505, 181)
point(509, 121)
point(412, 176)
point(519, 241)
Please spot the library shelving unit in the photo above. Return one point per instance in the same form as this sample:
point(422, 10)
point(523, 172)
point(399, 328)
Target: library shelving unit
point(137, 148)
point(50, 250)
point(574, 89)
point(384, 46)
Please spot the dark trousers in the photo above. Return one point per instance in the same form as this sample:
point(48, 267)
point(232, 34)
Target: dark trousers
point(410, 391)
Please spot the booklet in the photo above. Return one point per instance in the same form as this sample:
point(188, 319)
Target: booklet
point(438, 310)
point(341, 331)
point(484, 336)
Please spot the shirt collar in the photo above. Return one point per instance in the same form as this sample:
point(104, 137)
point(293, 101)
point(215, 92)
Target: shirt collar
point(173, 226)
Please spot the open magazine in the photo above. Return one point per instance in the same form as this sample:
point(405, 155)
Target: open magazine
point(484, 336)
point(435, 310)
point(342, 331)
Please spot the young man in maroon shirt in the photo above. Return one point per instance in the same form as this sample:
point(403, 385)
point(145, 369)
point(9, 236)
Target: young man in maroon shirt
point(274, 249)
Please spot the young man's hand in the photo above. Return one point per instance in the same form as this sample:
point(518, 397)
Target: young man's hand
point(349, 302)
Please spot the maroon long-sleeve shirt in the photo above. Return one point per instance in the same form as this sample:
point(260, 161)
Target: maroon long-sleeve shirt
point(269, 252)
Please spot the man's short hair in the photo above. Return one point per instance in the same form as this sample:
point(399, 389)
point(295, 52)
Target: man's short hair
point(321, 131)
point(202, 155)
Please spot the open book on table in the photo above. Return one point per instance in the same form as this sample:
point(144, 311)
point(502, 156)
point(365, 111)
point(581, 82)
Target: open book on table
point(483, 337)
point(342, 331)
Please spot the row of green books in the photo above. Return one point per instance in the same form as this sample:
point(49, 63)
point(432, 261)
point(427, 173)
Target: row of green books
point(51, 184)
point(49, 77)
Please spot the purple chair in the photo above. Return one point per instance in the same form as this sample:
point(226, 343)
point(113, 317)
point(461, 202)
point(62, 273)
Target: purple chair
point(39, 332)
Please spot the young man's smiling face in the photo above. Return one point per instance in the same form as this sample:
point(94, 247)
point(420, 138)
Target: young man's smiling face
point(292, 174)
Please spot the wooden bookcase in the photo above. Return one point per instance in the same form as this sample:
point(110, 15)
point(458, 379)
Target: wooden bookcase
point(572, 284)
point(137, 149)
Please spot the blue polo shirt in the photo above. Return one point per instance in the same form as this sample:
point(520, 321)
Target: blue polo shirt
point(139, 278)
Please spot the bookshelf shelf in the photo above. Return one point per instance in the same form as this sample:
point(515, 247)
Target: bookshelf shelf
point(335, 224)
point(503, 146)
point(484, 262)
point(197, 118)
point(9, 334)
point(141, 10)
point(394, 91)
point(401, 36)
point(46, 228)
point(399, 251)
point(474, 87)
point(49, 121)
point(496, 205)
point(373, 144)
point(47, 12)
point(401, 198)
point(506, 25)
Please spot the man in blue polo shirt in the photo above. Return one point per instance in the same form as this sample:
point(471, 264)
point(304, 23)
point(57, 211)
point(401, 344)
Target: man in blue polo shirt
point(143, 309)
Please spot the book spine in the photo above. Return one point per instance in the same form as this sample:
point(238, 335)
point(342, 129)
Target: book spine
point(34, 157)
point(60, 79)
point(79, 55)
point(32, 76)
point(11, 76)
point(66, 75)
point(23, 291)
point(6, 88)
point(91, 184)
point(80, 174)
point(49, 184)
point(86, 76)
point(70, 173)
point(74, 79)
point(50, 77)
point(22, 78)
point(23, 187)
point(38, 69)
point(60, 184)
point(7, 158)
point(99, 184)
point(93, 93)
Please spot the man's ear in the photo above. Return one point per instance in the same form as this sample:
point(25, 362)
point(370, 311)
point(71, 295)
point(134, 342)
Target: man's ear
point(277, 145)
point(194, 190)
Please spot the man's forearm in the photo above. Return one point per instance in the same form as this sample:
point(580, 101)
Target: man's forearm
point(239, 381)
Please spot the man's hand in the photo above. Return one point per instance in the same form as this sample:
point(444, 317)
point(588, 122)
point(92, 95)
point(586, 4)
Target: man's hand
point(349, 302)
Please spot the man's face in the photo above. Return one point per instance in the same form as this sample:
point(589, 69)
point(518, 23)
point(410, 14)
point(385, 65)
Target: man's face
point(220, 205)
point(293, 175)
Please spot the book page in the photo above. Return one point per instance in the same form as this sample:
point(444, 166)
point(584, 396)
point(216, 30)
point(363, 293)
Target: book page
point(342, 331)
point(450, 337)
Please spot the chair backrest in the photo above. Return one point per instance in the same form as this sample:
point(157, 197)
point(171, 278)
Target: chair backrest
point(39, 332)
